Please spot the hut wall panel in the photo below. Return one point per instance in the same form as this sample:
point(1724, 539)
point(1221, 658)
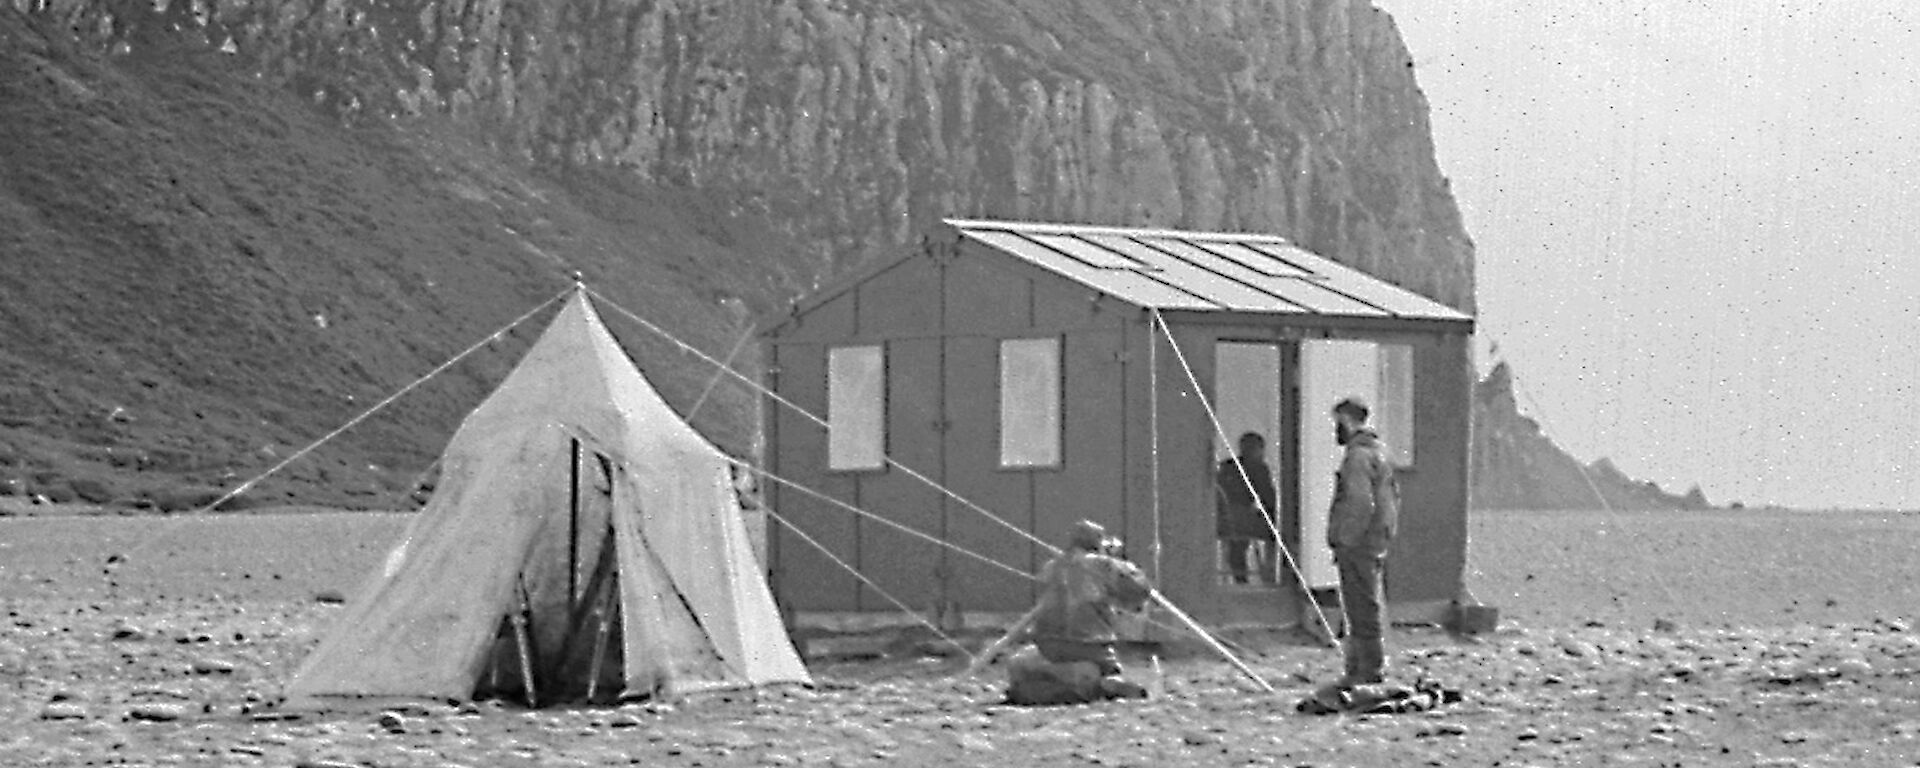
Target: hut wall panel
point(1089, 483)
point(972, 469)
point(983, 300)
point(901, 301)
point(1186, 473)
point(808, 580)
point(1059, 304)
point(1135, 417)
point(831, 322)
point(1429, 554)
point(908, 567)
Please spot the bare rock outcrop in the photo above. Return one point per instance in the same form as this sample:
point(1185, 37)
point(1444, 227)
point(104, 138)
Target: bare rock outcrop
point(853, 124)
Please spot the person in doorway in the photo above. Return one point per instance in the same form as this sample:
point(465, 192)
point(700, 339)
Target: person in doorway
point(1073, 623)
point(1244, 512)
point(1360, 526)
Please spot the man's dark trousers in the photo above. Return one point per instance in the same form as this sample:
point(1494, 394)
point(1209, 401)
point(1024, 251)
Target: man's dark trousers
point(1363, 595)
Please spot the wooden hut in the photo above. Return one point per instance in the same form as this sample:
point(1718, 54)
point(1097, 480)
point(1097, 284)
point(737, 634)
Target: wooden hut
point(1050, 373)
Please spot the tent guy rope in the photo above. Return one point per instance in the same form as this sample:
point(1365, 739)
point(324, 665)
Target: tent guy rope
point(1188, 621)
point(870, 585)
point(725, 369)
point(909, 530)
point(718, 375)
point(352, 422)
point(816, 419)
point(1213, 417)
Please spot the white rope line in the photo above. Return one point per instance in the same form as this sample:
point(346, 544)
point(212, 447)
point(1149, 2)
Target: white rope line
point(1213, 417)
point(725, 366)
point(388, 400)
point(843, 564)
point(351, 423)
point(776, 397)
point(869, 582)
point(915, 532)
point(884, 521)
point(909, 471)
point(1612, 515)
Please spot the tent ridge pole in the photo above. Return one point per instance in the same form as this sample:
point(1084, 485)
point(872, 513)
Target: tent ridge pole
point(573, 523)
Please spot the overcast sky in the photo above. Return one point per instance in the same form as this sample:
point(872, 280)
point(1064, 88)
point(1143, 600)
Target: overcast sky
point(1698, 231)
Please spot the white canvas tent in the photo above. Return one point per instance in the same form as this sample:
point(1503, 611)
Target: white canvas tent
point(582, 536)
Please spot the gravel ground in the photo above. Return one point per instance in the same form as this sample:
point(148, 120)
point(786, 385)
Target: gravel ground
point(1782, 639)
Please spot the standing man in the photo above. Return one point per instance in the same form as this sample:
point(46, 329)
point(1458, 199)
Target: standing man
point(1360, 527)
point(1242, 515)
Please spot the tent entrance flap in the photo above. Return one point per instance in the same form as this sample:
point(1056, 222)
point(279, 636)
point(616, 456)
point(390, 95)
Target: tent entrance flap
point(557, 634)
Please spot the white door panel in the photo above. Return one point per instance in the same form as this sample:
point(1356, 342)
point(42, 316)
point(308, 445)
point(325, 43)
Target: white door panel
point(1329, 371)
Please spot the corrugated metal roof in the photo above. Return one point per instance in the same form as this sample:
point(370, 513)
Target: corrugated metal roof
point(1169, 269)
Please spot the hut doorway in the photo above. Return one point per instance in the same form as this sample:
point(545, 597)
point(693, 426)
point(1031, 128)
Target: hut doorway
point(1250, 388)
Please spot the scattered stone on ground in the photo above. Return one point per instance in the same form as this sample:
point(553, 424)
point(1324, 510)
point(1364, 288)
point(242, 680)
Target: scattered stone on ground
point(63, 710)
point(1839, 692)
point(159, 712)
point(211, 666)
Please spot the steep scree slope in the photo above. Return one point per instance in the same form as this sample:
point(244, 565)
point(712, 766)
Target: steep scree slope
point(200, 273)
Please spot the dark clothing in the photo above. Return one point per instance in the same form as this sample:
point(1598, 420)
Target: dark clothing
point(1363, 596)
point(1079, 594)
point(1101, 655)
point(1241, 516)
point(1243, 558)
point(1360, 528)
point(1366, 497)
point(1060, 672)
point(1379, 699)
point(1237, 516)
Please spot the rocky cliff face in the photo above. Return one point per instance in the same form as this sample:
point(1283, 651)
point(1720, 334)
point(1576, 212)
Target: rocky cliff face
point(852, 124)
point(711, 158)
point(1516, 466)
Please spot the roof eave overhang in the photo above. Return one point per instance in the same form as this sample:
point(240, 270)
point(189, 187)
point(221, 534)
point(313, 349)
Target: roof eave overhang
point(1464, 325)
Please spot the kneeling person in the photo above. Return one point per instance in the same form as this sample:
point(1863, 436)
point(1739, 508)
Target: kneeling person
point(1073, 624)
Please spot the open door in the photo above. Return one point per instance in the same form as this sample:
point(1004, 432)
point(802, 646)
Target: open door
point(1329, 371)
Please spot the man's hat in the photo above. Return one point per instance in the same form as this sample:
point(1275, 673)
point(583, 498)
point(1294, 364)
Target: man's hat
point(1087, 535)
point(1353, 404)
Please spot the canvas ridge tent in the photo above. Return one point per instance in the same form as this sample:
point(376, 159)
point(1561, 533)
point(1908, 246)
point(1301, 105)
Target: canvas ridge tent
point(583, 544)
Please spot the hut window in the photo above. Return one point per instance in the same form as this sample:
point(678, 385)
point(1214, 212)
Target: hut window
point(1395, 417)
point(856, 408)
point(1030, 403)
